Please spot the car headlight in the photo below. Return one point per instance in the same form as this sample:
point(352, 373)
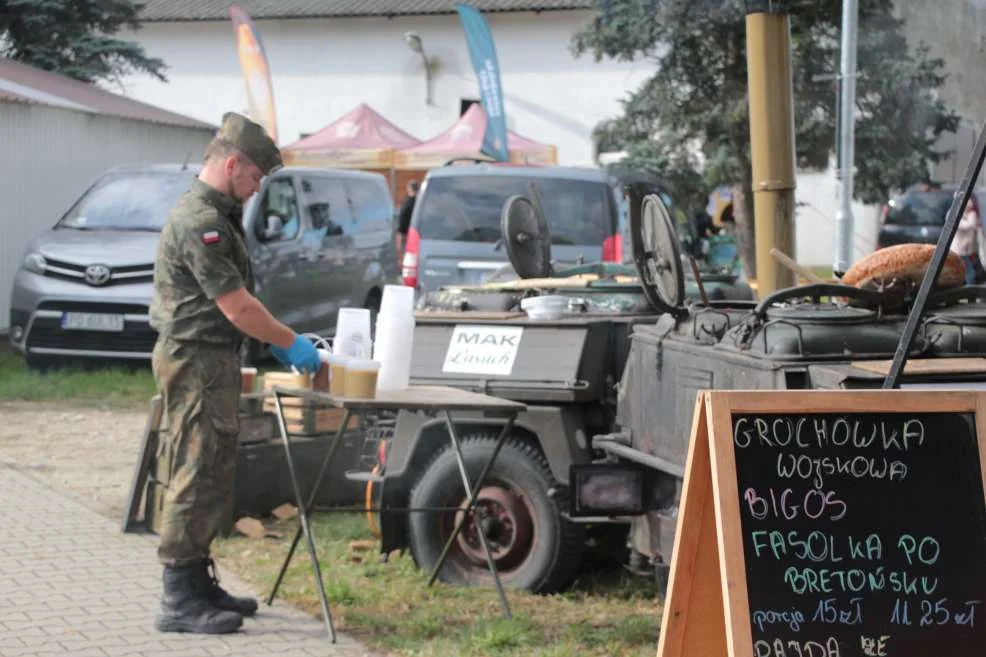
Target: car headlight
point(35, 262)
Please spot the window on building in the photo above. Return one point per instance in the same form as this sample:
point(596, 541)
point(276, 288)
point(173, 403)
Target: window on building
point(465, 104)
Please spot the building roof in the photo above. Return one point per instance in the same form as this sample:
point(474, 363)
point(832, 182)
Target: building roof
point(216, 10)
point(22, 83)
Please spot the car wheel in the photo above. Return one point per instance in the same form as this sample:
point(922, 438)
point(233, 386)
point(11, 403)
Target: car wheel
point(533, 546)
point(41, 364)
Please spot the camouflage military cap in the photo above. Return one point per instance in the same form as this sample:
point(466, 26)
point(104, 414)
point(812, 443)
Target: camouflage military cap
point(250, 139)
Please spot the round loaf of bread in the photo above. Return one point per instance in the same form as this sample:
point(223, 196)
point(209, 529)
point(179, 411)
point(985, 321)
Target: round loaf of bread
point(904, 262)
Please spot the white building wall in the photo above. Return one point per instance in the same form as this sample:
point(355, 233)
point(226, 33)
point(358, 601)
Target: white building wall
point(817, 199)
point(51, 155)
point(322, 68)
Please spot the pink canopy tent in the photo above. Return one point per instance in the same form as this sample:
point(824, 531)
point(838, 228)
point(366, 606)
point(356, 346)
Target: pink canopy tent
point(464, 139)
point(361, 139)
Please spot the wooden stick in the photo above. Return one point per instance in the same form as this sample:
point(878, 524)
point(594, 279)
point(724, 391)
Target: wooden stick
point(698, 281)
point(785, 260)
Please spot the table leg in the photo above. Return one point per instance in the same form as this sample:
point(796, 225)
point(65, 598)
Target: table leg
point(303, 515)
point(473, 494)
point(346, 416)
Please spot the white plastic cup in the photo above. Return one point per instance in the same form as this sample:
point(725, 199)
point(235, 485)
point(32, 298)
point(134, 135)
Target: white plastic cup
point(397, 301)
point(352, 336)
point(393, 350)
point(361, 378)
point(390, 323)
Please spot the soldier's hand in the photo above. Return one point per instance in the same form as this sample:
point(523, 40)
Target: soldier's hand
point(302, 355)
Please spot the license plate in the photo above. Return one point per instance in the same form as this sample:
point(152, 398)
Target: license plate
point(92, 322)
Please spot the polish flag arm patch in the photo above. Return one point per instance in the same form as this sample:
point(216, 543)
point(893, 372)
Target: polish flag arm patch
point(210, 237)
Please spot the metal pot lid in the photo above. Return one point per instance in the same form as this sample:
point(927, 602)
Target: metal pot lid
point(526, 237)
point(810, 313)
point(656, 254)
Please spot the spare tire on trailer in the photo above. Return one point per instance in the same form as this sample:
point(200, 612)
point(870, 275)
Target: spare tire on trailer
point(534, 547)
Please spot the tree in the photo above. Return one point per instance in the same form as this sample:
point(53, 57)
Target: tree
point(75, 38)
point(696, 102)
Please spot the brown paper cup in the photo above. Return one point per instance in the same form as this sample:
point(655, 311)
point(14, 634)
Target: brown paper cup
point(249, 379)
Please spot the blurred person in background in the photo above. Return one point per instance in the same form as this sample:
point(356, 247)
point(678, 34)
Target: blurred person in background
point(964, 244)
point(404, 214)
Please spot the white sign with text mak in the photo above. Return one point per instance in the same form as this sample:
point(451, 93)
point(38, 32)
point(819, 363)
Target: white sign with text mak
point(483, 349)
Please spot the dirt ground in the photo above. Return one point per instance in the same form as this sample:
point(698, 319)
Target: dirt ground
point(88, 451)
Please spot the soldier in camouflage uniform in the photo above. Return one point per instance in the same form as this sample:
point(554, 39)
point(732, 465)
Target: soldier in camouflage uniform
point(202, 308)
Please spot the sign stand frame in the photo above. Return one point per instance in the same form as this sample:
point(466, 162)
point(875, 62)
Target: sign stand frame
point(706, 612)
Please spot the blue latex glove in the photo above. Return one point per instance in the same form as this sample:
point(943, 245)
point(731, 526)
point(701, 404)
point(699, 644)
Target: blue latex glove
point(301, 355)
point(279, 353)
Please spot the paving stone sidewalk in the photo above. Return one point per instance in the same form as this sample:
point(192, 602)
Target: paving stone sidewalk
point(72, 584)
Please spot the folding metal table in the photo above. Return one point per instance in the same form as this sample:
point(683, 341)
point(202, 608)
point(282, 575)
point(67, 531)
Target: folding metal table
point(433, 400)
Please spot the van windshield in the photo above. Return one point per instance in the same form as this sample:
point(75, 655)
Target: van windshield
point(128, 201)
point(467, 208)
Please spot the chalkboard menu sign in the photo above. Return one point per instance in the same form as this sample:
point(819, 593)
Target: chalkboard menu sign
point(847, 524)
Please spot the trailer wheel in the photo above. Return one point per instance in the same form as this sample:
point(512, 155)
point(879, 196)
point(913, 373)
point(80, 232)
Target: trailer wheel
point(533, 546)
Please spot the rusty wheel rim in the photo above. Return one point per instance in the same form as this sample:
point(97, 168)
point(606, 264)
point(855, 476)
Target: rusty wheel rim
point(507, 521)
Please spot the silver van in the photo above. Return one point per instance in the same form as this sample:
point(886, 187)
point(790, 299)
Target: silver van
point(455, 237)
point(319, 240)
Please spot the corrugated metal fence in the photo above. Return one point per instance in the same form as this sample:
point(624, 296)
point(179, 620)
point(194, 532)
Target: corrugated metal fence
point(49, 156)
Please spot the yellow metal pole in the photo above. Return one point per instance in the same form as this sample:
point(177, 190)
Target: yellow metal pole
point(768, 53)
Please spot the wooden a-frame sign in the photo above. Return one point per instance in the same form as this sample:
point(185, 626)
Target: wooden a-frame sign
point(707, 609)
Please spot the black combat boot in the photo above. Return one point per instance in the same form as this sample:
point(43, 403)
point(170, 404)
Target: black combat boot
point(219, 597)
point(185, 608)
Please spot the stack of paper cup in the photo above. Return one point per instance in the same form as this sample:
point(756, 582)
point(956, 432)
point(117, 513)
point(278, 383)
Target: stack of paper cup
point(352, 336)
point(394, 337)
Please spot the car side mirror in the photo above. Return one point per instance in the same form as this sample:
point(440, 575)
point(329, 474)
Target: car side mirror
point(274, 228)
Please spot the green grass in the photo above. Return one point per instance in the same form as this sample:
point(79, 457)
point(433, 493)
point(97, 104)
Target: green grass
point(824, 273)
point(389, 608)
point(117, 387)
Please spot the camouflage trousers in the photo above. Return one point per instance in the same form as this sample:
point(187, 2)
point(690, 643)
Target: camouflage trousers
point(200, 386)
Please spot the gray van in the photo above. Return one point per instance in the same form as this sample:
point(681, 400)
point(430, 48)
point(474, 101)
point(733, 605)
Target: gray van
point(454, 237)
point(319, 240)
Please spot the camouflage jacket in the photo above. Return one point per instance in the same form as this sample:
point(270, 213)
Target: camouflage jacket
point(201, 255)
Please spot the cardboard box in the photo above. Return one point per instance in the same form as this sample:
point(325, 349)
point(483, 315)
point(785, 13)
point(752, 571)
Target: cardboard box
point(302, 416)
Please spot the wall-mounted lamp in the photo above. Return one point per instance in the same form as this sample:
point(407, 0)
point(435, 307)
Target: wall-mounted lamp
point(413, 41)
